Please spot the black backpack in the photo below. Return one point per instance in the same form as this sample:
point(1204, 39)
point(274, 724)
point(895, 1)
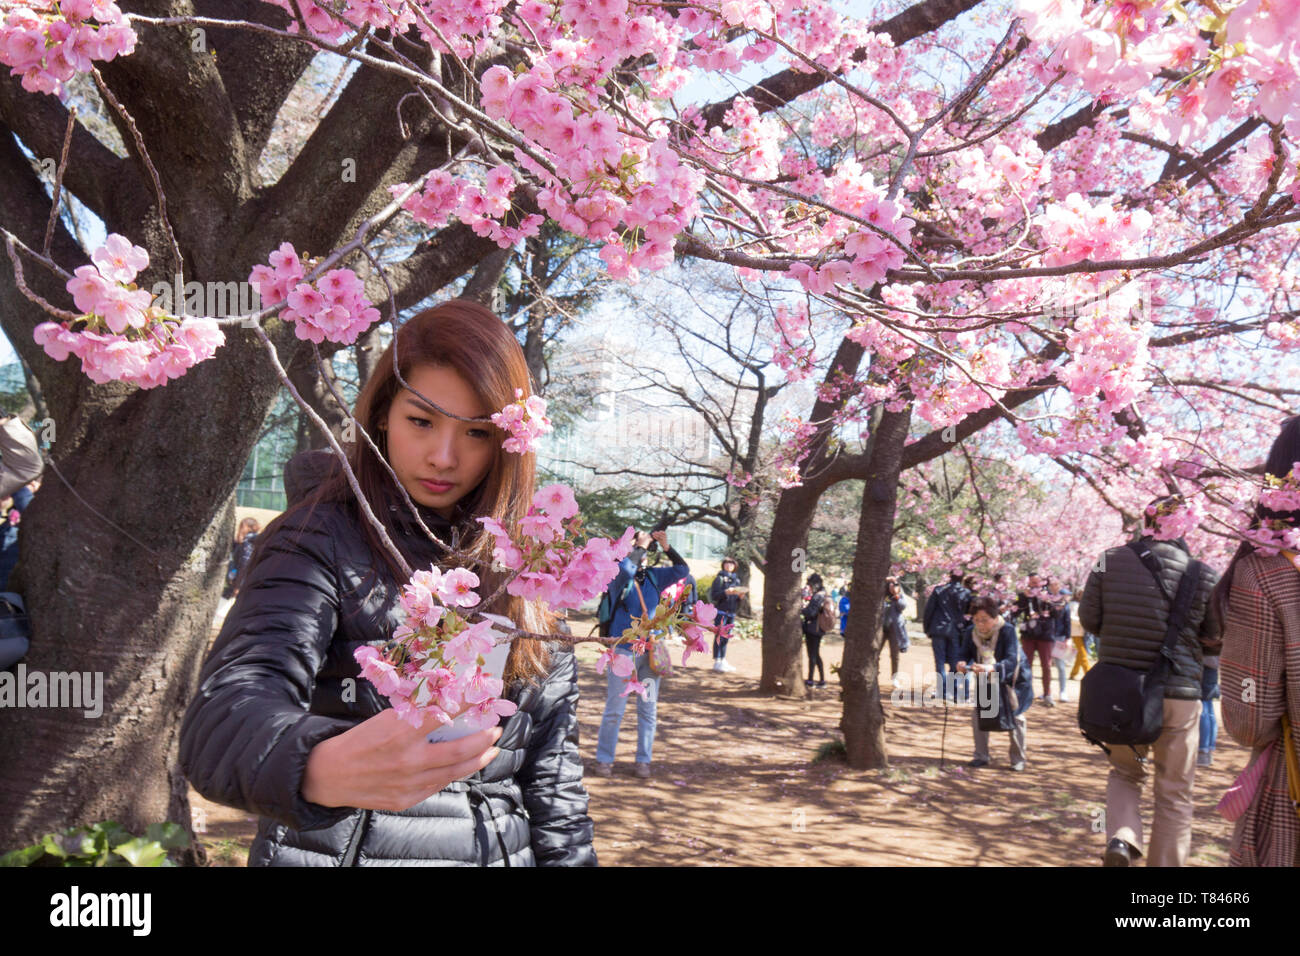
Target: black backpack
point(607, 608)
point(1125, 707)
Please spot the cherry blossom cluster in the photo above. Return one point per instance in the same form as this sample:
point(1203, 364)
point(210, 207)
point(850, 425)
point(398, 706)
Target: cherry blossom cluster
point(648, 635)
point(332, 307)
point(47, 43)
point(121, 335)
point(1118, 49)
point(544, 554)
point(481, 207)
point(525, 421)
point(793, 351)
point(433, 665)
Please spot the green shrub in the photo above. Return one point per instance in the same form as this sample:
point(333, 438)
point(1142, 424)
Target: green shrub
point(103, 844)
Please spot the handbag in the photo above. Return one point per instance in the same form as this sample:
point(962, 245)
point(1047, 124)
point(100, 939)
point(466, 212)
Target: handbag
point(1008, 702)
point(1122, 706)
point(658, 658)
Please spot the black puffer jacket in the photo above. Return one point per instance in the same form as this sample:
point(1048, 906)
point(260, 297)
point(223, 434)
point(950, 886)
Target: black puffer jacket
point(281, 678)
point(1123, 605)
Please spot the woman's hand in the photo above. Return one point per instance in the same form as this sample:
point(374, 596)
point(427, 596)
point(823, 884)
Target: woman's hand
point(661, 537)
point(384, 763)
point(961, 667)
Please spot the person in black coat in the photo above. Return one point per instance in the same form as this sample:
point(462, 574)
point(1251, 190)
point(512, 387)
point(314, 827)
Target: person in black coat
point(812, 630)
point(891, 621)
point(991, 648)
point(241, 550)
point(943, 621)
point(283, 726)
point(724, 594)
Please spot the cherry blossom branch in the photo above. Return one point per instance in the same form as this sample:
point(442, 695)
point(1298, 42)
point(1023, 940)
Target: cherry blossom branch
point(58, 180)
point(129, 120)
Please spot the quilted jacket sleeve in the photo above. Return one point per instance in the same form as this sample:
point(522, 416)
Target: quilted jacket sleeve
point(551, 775)
point(1090, 604)
point(247, 733)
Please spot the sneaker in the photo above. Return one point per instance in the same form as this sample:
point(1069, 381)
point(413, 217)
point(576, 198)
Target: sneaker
point(723, 666)
point(821, 683)
point(1018, 766)
point(717, 665)
point(1047, 701)
point(1118, 853)
point(1205, 758)
point(809, 683)
point(897, 681)
point(1065, 697)
point(979, 762)
point(643, 771)
point(603, 769)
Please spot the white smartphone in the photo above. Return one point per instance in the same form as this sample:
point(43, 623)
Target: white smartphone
point(494, 664)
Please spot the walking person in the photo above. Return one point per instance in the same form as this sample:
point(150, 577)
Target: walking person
point(724, 594)
point(283, 726)
point(240, 552)
point(845, 606)
point(1060, 631)
point(894, 631)
point(1258, 601)
point(1034, 614)
point(1209, 728)
point(1082, 659)
point(942, 620)
point(1128, 602)
point(636, 589)
point(993, 655)
point(818, 618)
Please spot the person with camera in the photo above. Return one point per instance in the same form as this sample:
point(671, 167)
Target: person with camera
point(894, 630)
point(1006, 691)
point(724, 594)
point(636, 590)
point(1034, 611)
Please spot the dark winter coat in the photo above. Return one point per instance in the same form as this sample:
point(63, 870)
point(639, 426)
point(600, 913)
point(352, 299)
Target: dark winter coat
point(891, 620)
point(725, 603)
point(281, 678)
point(945, 611)
point(1124, 606)
point(1030, 606)
point(810, 611)
point(1012, 668)
point(240, 552)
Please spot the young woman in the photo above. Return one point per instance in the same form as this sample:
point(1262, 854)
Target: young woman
point(991, 648)
point(1258, 601)
point(812, 632)
point(282, 724)
point(240, 552)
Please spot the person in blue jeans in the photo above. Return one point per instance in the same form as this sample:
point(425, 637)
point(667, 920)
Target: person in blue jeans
point(724, 594)
point(1209, 724)
point(944, 622)
point(634, 586)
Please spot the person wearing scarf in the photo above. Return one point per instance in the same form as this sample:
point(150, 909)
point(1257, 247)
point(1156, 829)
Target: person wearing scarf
point(991, 648)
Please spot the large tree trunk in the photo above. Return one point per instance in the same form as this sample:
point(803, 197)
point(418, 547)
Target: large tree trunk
point(863, 718)
point(130, 600)
point(786, 563)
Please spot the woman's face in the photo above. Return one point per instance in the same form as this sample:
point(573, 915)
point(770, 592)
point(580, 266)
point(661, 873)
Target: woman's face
point(439, 460)
point(982, 620)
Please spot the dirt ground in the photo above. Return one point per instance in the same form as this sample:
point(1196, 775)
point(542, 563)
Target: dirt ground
point(734, 783)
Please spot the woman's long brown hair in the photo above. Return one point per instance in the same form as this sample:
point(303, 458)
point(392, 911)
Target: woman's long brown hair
point(471, 340)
